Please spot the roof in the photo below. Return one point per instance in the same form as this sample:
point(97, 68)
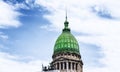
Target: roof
point(66, 42)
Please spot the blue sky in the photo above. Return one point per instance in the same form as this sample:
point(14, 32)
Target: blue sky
point(29, 29)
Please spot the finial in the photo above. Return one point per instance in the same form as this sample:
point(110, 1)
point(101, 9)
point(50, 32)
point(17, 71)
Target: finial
point(66, 14)
point(66, 29)
point(66, 22)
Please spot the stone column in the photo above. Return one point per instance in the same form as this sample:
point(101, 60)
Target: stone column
point(67, 66)
point(74, 66)
point(63, 65)
point(55, 66)
point(59, 65)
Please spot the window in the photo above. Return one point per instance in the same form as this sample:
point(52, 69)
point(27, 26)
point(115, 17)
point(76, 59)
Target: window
point(73, 65)
point(65, 65)
point(72, 45)
point(61, 65)
point(69, 65)
point(69, 45)
point(58, 66)
point(76, 66)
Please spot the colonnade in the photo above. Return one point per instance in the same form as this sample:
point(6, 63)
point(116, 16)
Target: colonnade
point(66, 65)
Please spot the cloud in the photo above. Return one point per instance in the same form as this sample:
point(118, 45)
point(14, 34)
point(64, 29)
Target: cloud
point(103, 24)
point(102, 12)
point(8, 16)
point(3, 36)
point(79, 15)
point(8, 63)
point(109, 45)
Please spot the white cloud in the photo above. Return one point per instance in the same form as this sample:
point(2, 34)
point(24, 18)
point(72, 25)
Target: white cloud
point(3, 36)
point(8, 16)
point(106, 32)
point(9, 64)
point(79, 15)
point(110, 48)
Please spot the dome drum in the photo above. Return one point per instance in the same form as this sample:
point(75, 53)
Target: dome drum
point(66, 54)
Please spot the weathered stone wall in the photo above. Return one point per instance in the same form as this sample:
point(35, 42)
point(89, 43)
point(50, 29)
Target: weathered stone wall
point(67, 63)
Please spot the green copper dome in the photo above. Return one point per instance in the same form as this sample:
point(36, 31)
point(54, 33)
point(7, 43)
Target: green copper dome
point(66, 42)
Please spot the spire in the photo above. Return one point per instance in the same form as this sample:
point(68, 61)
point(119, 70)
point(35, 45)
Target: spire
point(66, 29)
point(66, 14)
point(66, 22)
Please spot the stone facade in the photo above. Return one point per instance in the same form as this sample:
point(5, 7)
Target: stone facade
point(67, 62)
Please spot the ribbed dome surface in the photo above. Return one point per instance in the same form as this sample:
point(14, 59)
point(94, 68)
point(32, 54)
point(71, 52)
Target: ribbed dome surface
point(66, 43)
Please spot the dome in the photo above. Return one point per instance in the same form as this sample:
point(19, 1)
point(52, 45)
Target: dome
point(66, 42)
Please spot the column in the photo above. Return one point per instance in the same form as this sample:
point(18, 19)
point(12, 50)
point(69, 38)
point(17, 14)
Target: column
point(59, 66)
point(63, 66)
point(73, 66)
point(55, 66)
point(67, 66)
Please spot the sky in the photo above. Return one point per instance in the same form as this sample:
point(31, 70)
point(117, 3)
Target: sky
point(29, 29)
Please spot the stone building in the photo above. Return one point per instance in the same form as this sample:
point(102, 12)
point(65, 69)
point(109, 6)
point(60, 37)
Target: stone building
point(66, 56)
